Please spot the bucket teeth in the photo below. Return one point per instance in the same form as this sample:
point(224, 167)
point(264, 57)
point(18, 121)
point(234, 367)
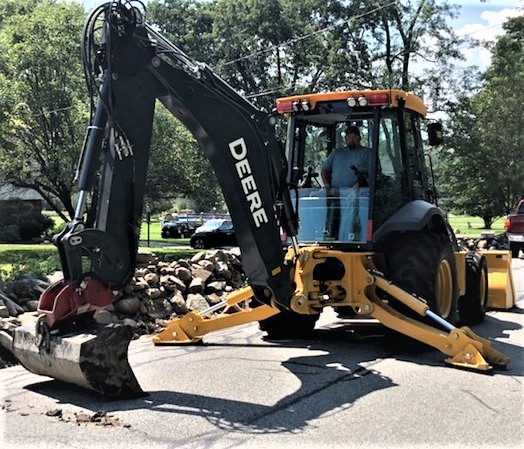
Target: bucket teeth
point(95, 359)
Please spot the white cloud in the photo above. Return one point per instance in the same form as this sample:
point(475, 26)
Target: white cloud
point(485, 32)
point(492, 28)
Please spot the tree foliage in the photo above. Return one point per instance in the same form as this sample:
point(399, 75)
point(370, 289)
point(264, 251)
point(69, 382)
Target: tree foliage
point(405, 34)
point(178, 167)
point(264, 49)
point(277, 47)
point(42, 115)
point(484, 160)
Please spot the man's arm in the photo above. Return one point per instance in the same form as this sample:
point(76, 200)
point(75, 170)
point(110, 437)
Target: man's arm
point(326, 178)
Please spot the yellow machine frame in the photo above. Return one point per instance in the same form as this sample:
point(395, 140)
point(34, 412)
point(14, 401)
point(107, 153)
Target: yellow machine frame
point(364, 289)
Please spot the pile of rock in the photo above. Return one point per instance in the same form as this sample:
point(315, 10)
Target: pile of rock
point(159, 291)
point(487, 242)
point(20, 296)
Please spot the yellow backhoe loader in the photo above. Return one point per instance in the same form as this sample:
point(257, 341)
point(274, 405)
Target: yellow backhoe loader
point(379, 246)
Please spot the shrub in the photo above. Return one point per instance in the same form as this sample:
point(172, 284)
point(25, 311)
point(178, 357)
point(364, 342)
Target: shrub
point(39, 268)
point(34, 227)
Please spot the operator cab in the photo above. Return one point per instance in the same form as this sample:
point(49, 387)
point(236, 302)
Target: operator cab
point(389, 124)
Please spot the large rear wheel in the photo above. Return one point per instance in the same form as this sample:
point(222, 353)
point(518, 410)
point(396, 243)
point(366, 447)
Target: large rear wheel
point(423, 264)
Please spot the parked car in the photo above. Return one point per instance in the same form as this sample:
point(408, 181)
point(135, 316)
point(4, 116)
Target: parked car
point(515, 228)
point(177, 229)
point(213, 233)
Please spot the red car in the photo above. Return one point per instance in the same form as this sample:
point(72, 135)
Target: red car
point(515, 229)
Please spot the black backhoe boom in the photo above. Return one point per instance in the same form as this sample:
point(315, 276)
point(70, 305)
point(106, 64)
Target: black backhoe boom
point(137, 66)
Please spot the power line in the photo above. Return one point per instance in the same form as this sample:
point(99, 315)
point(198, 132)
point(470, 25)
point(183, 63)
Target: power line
point(483, 29)
point(278, 90)
point(54, 111)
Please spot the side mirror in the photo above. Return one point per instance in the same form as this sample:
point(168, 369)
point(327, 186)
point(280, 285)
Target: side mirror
point(435, 134)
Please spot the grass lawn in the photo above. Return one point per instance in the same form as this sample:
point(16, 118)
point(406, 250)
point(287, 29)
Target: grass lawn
point(473, 227)
point(463, 225)
point(152, 230)
point(43, 258)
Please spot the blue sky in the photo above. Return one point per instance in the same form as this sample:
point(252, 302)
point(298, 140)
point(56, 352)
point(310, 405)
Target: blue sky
point(481, 20)
point(475, 11)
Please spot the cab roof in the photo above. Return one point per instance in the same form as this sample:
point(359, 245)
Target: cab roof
point(354, 98)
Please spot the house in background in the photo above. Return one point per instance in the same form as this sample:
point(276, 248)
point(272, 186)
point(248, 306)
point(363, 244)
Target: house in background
point(17, 206)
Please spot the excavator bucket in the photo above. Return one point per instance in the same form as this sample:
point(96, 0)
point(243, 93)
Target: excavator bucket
point(64, 342)
point(95, 359)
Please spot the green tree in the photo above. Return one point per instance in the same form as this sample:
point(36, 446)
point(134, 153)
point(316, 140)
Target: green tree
point(178, 168)
point(485, 156)
point(279, 47)
point(501, 117)
point(43, 112)
point(263, 48)
point(188, 22)
point(269, 48)
point(405, 33)
point(12, 7)
point(410, 46)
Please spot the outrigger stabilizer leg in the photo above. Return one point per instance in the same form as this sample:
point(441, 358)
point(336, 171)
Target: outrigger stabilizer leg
point(193, 326)
point(466, 349)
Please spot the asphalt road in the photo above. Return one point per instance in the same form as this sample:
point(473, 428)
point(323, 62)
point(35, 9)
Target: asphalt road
point(351, 386)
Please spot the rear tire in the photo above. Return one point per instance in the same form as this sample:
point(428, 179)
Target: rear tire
point(423, 263)
point(288, 325)
point(473, 305)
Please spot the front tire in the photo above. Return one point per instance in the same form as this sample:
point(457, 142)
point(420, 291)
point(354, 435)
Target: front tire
point(473, 305)
point(423, 264)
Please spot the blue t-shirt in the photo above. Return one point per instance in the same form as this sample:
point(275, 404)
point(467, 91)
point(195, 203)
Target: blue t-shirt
point(339, 163)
